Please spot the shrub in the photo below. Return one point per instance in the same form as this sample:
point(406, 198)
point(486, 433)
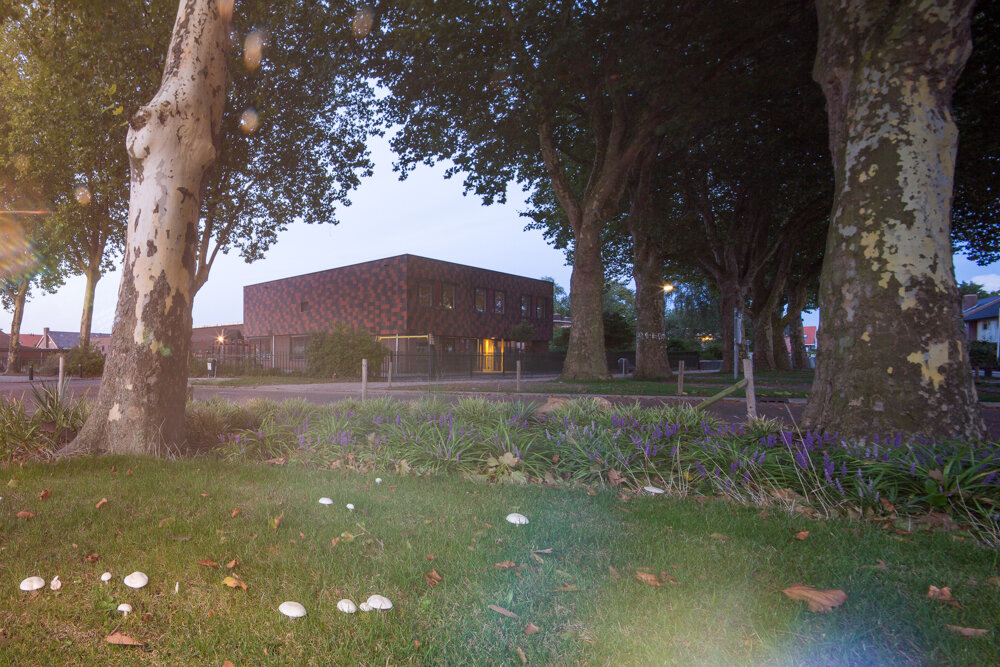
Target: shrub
point(712, 350)
point(983, 354)
point(89, 357)
point(339, 353)
point(523, 332)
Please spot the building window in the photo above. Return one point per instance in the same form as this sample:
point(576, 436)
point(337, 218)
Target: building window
point(498, 302)
point(539, 308)
point(525, 307)
point(425, 293)
point(447, 296)
point(298, 350)
point(303, 306)
point(479, 300)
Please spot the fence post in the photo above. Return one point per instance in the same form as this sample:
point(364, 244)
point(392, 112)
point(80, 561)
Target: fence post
point(517, 385)
point(62, 374)
point(390, 374)
point(751, 399)
point(364, 379)
point(31, 372)
point(680, 377)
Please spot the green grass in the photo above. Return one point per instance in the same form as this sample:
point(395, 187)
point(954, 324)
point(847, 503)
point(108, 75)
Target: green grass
point(731, 564)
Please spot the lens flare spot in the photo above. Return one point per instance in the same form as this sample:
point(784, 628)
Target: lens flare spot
point(253, 49)
point(249, 121)
point(82, 194)
point(17, 254)
point(362, 22)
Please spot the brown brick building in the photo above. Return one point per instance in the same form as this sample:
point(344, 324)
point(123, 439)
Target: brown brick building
point(408, 301)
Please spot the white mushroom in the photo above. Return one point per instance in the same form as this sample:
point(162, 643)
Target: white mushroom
point(347, 606)
point(655, 490)
point(136, 580)
point(378, 480)
point(325, 501)
point(106, 577)
point(125, 608)
point(177, 587)
point(56, 584)
point(364, 606)
point(293, 609)
point(379, 602)
point(517, 519)
point(32, 584)
point(350, 506)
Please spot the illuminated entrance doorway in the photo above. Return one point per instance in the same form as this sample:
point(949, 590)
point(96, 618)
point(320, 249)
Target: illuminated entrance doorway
point(490, 356)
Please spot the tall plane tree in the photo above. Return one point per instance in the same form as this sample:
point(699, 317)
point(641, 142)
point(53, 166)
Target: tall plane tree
point(891, 354)
point(173, 143)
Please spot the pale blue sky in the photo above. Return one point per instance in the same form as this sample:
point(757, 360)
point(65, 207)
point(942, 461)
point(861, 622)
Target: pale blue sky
point(423, 215)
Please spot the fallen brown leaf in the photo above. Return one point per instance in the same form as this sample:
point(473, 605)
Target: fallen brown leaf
point(101, 503)
point(44, 494)
point(430, 556)
point(669, 578)
point(942, 595)
point(25, 514)
point(233, 514)
point(129, 473)
point(967, 632)
point(91, 558)
point(276, 521)
point(119, 639)
point(506, 565)
point(208, 562)
point(531, 629)
point(614, 573)
point(502, 611)
point(204, 495)
point(881, 565)
point(718, 536)
point(333, 542)
point(801, 535)
point(647, 577)
point(233, 582)
point(993, 580)
point(228, 663)
point(538, 559)
point(818, 600)
point(280, 461)
point(543, 551)
point(433, 578)
point(233, 563)
point(627, 511)
point(147, 617)
point(614, 478)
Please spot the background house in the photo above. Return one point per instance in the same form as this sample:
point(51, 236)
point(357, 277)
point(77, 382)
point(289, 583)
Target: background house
point(410, 303)
point(980, 317)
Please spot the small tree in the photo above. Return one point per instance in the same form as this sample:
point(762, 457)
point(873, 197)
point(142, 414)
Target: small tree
point(522, 332)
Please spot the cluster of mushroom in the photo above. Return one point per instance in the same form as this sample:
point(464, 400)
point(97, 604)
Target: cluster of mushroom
point(380, 602)
point(134, 580)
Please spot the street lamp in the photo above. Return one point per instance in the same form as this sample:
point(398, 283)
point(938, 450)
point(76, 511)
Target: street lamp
point(668, 288)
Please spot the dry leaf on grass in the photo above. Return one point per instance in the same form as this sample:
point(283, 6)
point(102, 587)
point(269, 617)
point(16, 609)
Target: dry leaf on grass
point(129, 473)
point(718, 536)
point(233, 563)
point(543, 551)
point(614, 573)
point(506, 565)
point(614, 478)
point(228, 663)
point(942, 595)
point(119, 639)
point(993, 580)
point(44, 494)
point(967, 632)
point(208, 562)
point(333, 541)
point(669, 578)
point(25, 514)
point(818, 600)
point(430, 556)
point(91, 558)
point(433, 578)
point(881, 565)
point(233, 582)
point(232, 515)
point(647, 577)
point(276, 521)
point(531, 629)
point(101, 503)
point(801, 535)
point(504, 612)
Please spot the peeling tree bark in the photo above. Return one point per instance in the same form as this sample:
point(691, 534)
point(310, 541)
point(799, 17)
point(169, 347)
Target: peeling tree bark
point(891, 355)
point(92, 275)
point(650, 347)
point(172, 143)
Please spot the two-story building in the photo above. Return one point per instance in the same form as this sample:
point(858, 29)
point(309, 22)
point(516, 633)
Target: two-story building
point(410, 303)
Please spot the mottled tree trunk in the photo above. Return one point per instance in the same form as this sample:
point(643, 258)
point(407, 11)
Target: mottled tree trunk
point(92, 274)
point(650, 347)
point(763, 342)
point(891, 355)
point(14, 344)
point(780, 347)
point(172, 144)
point(796, 334)
point(585, 356)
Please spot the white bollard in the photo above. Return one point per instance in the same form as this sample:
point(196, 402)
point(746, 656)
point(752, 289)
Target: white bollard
point(364, 379)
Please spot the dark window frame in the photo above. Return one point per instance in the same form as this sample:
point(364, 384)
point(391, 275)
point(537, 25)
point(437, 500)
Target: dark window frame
point(499, 302)
point(425, 294)
point(476, 305)
point(454, 292)
point(525, 306)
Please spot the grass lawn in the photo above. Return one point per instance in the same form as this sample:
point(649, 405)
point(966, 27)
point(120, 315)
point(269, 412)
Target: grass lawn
point(722, 567)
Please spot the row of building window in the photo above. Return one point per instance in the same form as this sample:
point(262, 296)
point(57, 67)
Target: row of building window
point(497, 305)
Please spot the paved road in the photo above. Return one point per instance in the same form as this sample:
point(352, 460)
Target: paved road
point(732, 411)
